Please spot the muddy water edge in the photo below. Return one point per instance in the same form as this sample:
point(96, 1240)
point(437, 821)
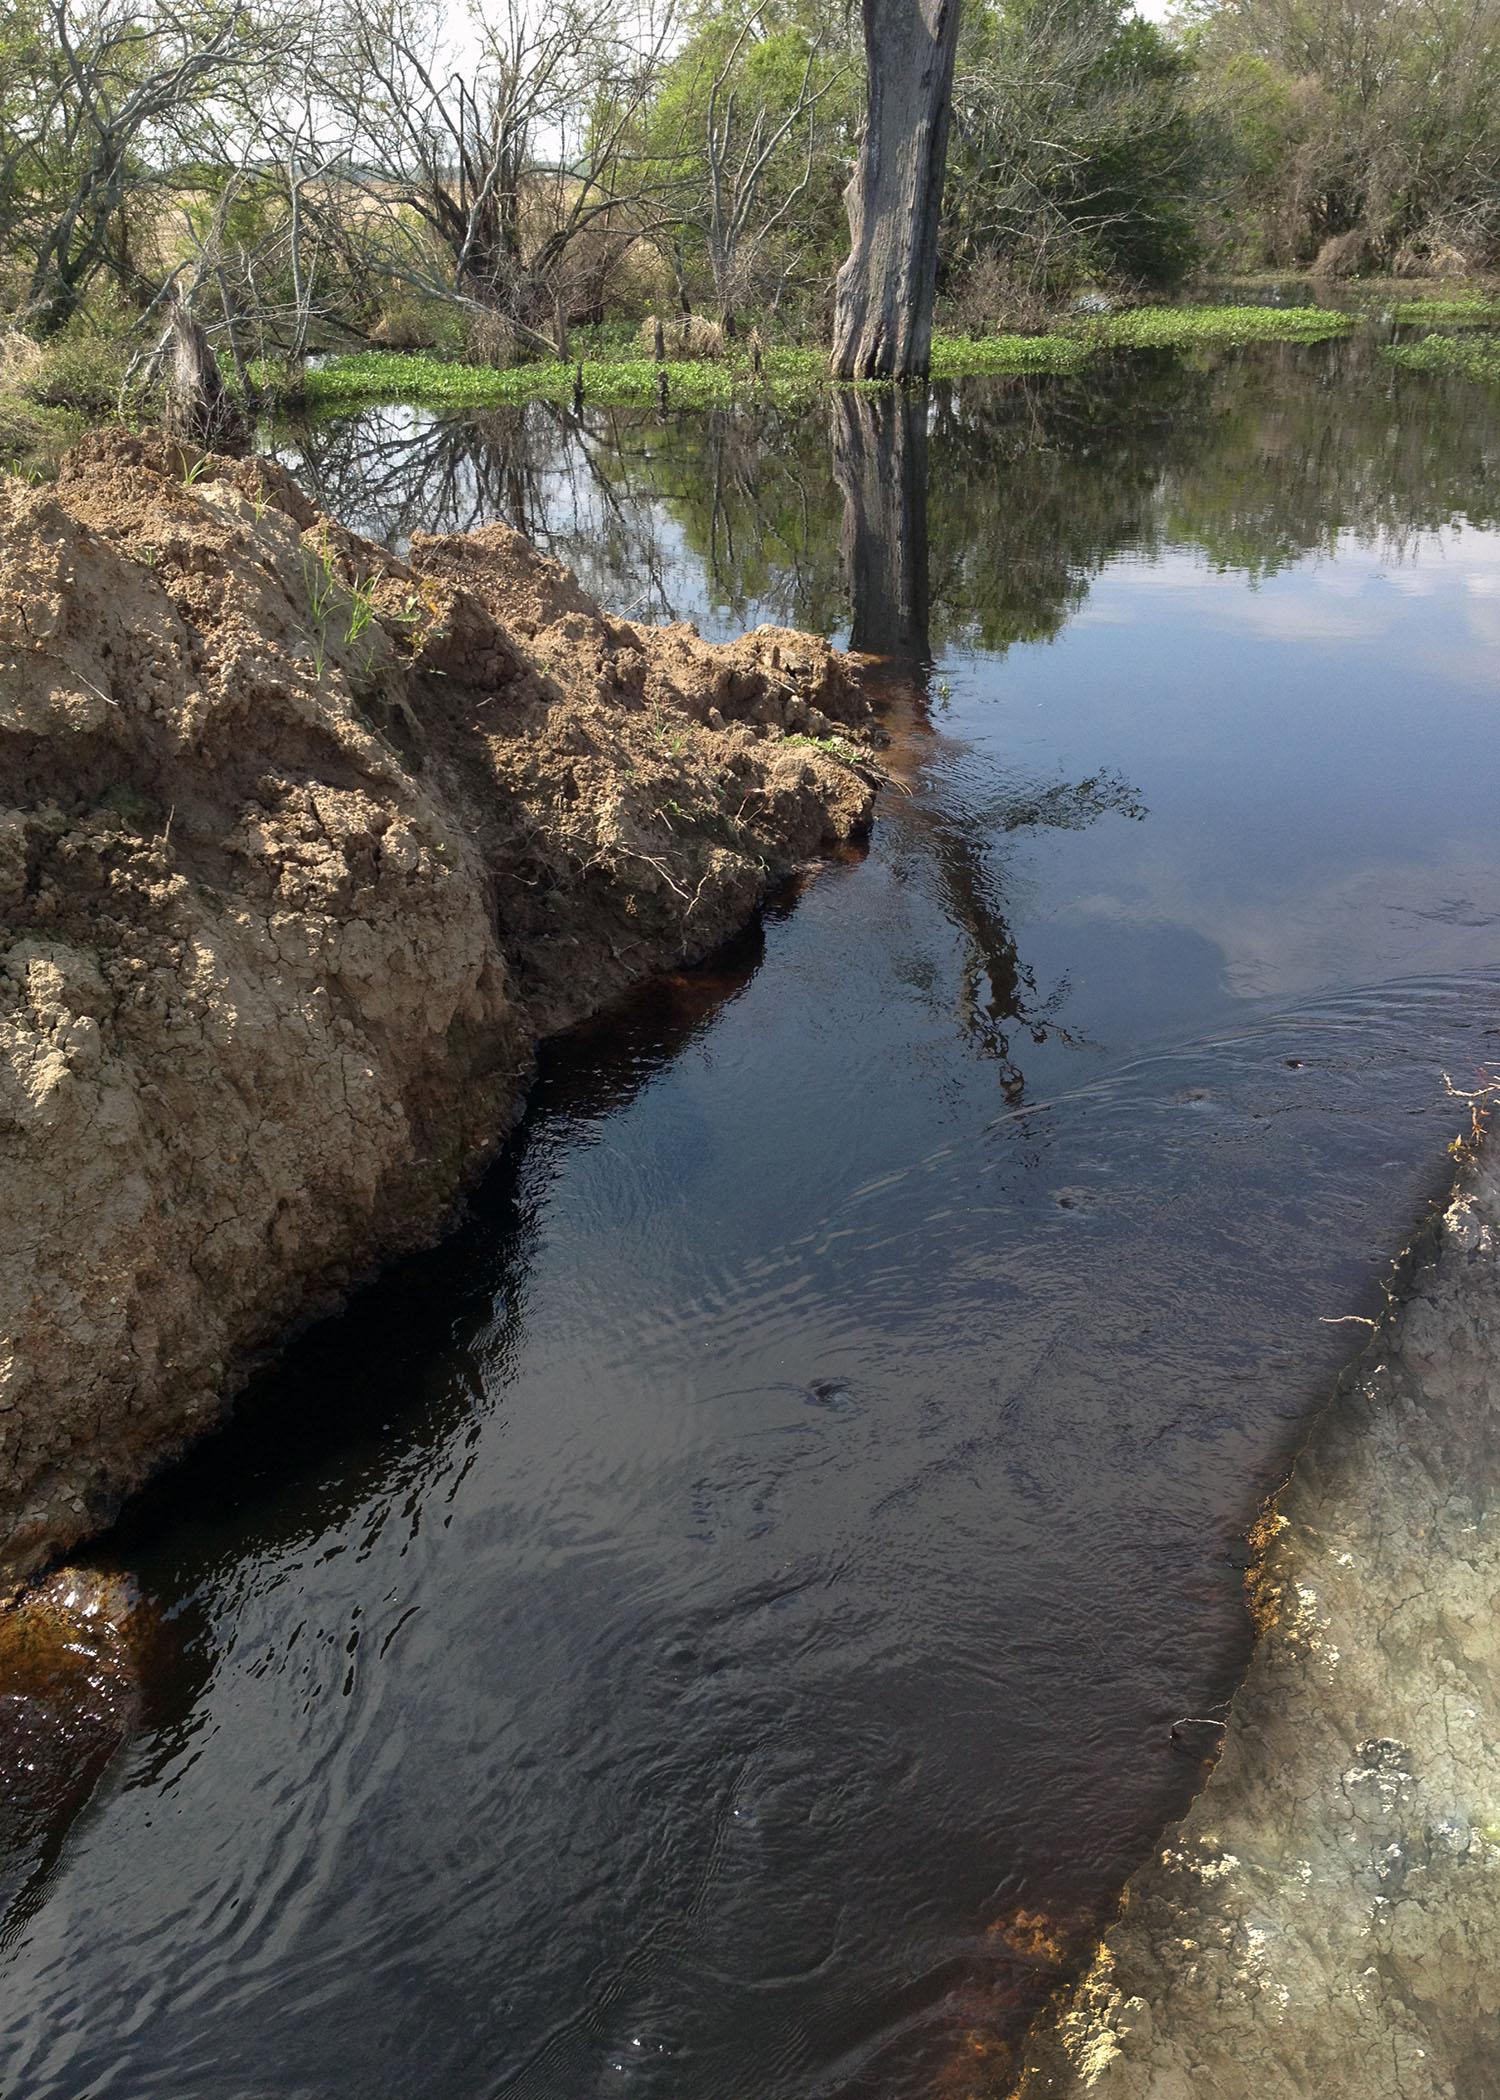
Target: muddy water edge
point(716, 1625)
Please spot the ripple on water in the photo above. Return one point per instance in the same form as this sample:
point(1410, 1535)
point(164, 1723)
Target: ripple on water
point(717, 1627)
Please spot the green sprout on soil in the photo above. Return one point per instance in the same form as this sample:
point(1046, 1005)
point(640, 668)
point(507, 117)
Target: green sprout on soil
point(325, 593)
point(361, 611)
point(322, 585)
point(834, 747)
point(672, 741)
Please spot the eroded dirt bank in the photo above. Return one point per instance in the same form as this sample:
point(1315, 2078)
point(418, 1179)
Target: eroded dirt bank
point(1326, 1919)
point(302, 849)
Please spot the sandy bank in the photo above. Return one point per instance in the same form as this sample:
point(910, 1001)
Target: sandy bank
point(302, 850)
point(1324, 1924)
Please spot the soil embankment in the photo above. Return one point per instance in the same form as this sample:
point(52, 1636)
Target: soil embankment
point(302, 850)
point(1325, 1920)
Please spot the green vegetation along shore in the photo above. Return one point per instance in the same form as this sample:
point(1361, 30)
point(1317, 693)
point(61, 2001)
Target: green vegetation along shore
point(49, 395)
point(379, 375)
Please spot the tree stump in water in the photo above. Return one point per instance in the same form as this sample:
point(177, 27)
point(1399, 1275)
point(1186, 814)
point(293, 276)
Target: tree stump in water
point(199, 405)
point(883, 301)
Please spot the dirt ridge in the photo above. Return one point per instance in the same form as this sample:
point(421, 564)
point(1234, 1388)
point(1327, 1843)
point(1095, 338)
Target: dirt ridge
point(302, 850)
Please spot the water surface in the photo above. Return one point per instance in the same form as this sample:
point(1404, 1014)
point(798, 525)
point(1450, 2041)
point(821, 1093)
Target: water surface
point(714, 1628)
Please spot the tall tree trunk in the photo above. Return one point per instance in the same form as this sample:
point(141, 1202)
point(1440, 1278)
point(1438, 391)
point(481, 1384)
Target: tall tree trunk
point(883, 308)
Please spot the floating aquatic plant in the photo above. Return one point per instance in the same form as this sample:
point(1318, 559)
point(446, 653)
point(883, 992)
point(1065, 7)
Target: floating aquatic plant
point(1470, 356)
point(788, 373)
point(1470, 311)
point(1186, 327)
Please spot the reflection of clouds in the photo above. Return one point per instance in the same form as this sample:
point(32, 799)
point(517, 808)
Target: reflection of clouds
point(1360, 598)
point(1428, 633)
point(1296, 619)
point(1375, 924)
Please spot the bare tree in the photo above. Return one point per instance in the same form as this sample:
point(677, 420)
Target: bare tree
point(487, 179)
point(883, 298)
point(736, 217)
point(116, 94)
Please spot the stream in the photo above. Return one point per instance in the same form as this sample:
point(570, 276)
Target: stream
point(713, 1629)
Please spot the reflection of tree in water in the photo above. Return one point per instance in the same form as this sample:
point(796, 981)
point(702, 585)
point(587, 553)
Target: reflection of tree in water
point(730, 516)
point(1000, 1000)
point(580, 486)
point(1256, 458)
point(880, 449)
point(1314, 447)
point(392, 472)
point(653, 513)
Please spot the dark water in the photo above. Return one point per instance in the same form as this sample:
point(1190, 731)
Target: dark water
point(713, 1629)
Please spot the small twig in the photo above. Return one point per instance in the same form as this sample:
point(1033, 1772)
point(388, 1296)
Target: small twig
point(1198, 1721)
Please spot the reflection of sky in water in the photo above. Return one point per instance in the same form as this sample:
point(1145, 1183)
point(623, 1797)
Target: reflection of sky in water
point(1317, 755)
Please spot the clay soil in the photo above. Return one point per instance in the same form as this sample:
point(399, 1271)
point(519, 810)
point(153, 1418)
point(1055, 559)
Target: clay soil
point(303, 848)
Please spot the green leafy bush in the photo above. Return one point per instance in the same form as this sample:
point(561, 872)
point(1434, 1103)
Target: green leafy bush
point(82, 371)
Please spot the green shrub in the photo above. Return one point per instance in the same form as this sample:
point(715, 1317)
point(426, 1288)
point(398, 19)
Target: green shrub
point(82, 371)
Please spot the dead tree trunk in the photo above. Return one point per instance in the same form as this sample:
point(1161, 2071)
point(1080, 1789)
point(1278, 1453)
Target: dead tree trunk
point(199, 405)
point(883, 303)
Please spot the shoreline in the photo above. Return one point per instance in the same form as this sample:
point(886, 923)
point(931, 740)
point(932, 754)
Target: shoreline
point(1323, 1918)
